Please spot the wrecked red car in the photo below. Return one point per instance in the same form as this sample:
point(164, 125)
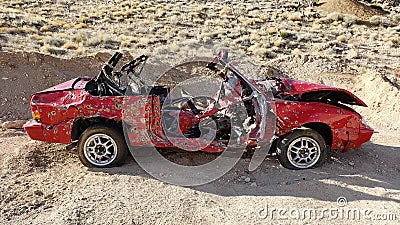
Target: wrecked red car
point(308, 119)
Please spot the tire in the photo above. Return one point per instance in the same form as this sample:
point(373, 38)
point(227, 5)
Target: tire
point(102, 146)
point(302, 148)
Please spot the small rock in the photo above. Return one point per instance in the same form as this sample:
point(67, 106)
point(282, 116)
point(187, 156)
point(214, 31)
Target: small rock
point(90, 220)
point(341, 38)
point(278, 42)
point(44, 28)
point(16, 124)
point(49, 196)
point(352, 54)
point(272, 30)
point(38, 192)
point(395, 40)
point(296, 51)
point(247, 180)
point(254, 184)
point(352, 41)
point(296, 16)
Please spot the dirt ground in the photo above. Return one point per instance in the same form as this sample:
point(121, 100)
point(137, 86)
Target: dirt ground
point(45, 184)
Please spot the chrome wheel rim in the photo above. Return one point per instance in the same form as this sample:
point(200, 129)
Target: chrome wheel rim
point(100, 149)
point(303, 152)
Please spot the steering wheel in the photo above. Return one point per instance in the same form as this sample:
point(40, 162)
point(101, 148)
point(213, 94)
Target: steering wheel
point(196, 104)
point(109, 81)
point(181, 103)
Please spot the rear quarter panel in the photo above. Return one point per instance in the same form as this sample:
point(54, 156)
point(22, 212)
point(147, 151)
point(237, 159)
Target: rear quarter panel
point(58, 111)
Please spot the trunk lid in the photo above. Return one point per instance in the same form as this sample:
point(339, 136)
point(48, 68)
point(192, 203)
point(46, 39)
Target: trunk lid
point(74, 84)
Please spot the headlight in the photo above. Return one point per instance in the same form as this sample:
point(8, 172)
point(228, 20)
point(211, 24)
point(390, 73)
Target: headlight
point(363, 121)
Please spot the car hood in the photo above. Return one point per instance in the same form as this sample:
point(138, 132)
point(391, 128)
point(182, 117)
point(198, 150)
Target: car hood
point(313, 92)
point(74, 84)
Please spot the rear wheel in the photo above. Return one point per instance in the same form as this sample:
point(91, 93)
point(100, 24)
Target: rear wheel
point(301, 149)
point(102, 146)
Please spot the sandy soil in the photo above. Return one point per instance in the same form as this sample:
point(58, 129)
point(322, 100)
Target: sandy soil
point(46, 184)
point(42, 183)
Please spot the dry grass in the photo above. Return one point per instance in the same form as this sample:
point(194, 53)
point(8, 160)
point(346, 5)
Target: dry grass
point(92, 26)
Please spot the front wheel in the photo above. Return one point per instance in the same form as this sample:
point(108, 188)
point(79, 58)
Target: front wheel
point(301, 149)
point(102, 146)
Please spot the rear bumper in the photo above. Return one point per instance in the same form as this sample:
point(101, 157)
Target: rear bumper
point(60, 133)
point(35, 130)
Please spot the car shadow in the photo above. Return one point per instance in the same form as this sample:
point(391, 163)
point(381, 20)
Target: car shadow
point(347, 174)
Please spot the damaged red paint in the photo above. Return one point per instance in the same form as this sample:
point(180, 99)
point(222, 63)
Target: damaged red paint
point(64, 113)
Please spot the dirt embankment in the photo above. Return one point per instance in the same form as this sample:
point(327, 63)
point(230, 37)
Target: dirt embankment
point(23, 74)
point(352, 7)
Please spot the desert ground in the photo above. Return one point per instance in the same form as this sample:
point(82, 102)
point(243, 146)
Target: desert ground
point(344, 43)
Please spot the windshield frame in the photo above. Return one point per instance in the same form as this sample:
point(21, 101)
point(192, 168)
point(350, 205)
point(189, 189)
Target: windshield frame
point(262, 103)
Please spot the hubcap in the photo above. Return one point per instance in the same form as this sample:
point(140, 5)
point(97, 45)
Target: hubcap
point(100, 149)
point(303, 152)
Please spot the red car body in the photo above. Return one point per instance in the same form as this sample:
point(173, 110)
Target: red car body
point(64, 111)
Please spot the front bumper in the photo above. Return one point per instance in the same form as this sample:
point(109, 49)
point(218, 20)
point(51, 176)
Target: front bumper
point(364, 136)
point(354, 138)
